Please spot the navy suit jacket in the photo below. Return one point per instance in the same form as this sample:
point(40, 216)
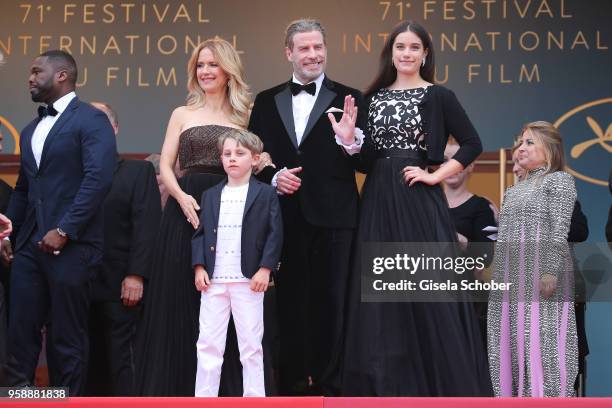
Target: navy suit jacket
point(262, 229)
point(75, 173)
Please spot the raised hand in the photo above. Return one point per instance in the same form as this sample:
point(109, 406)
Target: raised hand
point(345, 129)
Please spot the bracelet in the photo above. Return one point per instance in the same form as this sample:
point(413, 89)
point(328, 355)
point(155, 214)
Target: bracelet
point(61, 232)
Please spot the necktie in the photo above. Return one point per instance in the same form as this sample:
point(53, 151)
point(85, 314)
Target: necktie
point(46, 110)
point(296, 88)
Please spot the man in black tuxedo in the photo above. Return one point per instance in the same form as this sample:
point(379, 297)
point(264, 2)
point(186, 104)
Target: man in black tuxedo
point(67, 160)
point(132, 211)
point(319, 204)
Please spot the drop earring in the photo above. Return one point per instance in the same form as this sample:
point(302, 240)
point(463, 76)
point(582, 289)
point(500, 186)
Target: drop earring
point(423, 61)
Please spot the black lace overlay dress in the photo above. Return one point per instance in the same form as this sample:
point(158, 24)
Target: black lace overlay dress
point(407, 349)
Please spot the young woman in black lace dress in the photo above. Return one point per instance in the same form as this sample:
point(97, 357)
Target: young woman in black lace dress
point(410, 349)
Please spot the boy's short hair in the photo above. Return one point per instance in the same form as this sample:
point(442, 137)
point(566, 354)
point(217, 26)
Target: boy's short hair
point(244, 138)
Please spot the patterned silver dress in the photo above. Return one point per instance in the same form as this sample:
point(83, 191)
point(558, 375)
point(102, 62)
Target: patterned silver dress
point(531, 339)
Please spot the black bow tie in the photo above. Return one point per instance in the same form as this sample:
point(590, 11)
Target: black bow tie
point(46, 110)
point(296, 88)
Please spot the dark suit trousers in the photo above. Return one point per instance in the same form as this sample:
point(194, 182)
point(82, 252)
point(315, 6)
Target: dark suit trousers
point(112, 330)
point(55, 289)
point(311, 292)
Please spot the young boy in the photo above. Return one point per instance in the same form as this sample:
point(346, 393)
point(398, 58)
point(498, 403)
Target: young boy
point(234, 250)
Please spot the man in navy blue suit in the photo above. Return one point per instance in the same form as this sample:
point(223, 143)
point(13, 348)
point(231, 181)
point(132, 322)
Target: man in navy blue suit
point(67, 161)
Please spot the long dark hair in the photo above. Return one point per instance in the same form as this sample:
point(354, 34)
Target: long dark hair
point(387, 72)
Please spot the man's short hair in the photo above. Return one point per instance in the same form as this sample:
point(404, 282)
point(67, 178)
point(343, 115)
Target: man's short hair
point(244, 138)
point(110, 112)
point(62, 61)
point(304, 25)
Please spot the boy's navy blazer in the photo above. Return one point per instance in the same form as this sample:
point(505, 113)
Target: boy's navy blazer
point(262, 229)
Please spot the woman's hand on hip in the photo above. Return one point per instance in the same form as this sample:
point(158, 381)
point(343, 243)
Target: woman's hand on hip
point(414, 174)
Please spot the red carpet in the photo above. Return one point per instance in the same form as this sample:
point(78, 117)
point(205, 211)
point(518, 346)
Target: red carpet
point(316, 402)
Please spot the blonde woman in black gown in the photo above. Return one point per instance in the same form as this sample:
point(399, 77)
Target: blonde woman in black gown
point(218, 103)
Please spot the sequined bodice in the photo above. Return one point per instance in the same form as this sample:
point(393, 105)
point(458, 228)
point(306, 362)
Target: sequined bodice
point(198, 146)
point(394, 120)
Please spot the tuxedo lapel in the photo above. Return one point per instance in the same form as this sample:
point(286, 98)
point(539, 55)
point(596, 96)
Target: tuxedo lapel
point(284, 104)
point(254, 189)
point(324, 99)
point(66, 115)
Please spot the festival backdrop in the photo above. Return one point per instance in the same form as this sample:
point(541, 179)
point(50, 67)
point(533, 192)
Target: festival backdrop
point(509, 62)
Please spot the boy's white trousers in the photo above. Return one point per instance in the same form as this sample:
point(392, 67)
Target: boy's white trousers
point(246, 306)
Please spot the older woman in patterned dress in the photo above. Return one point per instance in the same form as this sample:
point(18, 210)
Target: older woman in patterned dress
point(531, 327)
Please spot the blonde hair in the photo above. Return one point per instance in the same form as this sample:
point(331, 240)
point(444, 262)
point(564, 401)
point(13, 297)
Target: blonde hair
point(237, 88)
point(244, 138)
point(550, 139)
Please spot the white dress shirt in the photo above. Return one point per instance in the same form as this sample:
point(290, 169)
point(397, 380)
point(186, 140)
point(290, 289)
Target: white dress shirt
point(44, 126)
point(302, 104)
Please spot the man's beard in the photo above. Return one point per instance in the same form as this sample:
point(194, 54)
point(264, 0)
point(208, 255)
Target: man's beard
point(309, 76)
point(41, 92)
